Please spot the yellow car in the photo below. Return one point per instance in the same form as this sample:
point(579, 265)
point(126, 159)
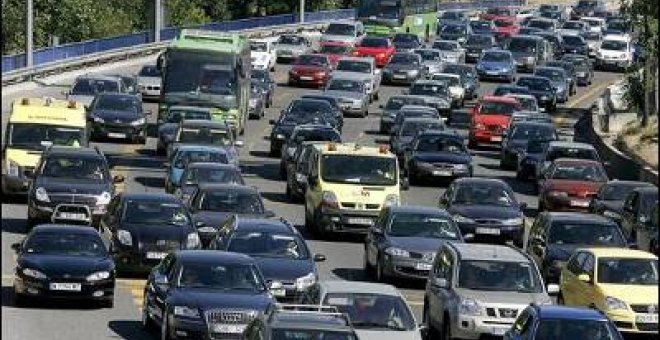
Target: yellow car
point(623, 283)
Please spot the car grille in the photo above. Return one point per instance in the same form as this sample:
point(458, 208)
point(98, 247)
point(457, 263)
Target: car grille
point(647, 327)
point(447, 166)
point(360, 206)
point(160, 245)
point(487, 221)
point(507, 313)
point(494, 128)
point(645, 309)
point(422, 256)
point(412, 271)
point(72, 198)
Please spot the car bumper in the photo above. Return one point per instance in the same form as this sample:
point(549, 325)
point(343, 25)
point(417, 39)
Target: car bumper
point(524, 66)
point(566, 204)
point(43, 211)
point(612, 63)
point(186, 328)
point(485, 136)
point(150, 93)
point(399, 78)
point(260, 66)
point(442, 171)
point(100, 290)
point(118, 131)
point(352, 108)
point(406, 268)
point(625, 321)
point(307, 80)
point(497, 75)
point(467, 327)
point(347, 220)
point(493, 232)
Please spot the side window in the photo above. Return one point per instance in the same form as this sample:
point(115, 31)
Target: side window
point(588, 266)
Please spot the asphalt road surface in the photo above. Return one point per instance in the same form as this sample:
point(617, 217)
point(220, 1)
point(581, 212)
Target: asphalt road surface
point(144, 172)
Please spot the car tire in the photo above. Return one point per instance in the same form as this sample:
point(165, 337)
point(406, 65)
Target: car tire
point(380, 274)
point(472, 144)
point(368, 268)
point(108, 302)
point(560, 299)
point(21, 300)
point(432, 333)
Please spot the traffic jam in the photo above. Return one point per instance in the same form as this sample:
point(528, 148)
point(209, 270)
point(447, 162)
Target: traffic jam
point(406, 185)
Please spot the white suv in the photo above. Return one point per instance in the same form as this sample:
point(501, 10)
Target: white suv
point(615, 51)
point(263, 54)
point(479, 289)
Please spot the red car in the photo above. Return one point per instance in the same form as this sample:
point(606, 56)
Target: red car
point(380, 48)
point(569, 184)
point(335, 50)
point(500, 13)
point(310, 70)
point(489, 118)
point(506, 28)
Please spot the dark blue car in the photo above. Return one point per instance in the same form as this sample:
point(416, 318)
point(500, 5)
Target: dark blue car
point(496, 64)
point(437, 154)
point(542, 89)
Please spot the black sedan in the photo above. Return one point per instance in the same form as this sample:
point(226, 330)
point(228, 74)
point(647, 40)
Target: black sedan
point(611, 196)
point(407, 112)
point(404, 241)
point(63, 262)
point(437, 154)
point(392, 107)
point(213, 204)
point(517, 137)
point(531, 159)
point(409, 129)
point(476, 44)
point(201, 294)
point(575, 44)
point(503, 90)
point(118, 116)
point(403, 68)
point(175, 114)
point(485, 208)
point(299, 112)
point(571, 76)
point(263, 80)
point(554, 237)
point(206, 172)
point(303, 133)
point(334, 102)
point(280, 251)
point(141, 228)
point(584, 68)
point(541, 88)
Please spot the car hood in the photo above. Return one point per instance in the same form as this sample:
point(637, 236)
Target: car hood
point(632, 294)
point(345, 94)
point(400, 67)
point(352, 75)
point(216, 218)
point(307, 68)
point(116, 116)
point(371, 50)
point(150, 233)
point(212, 299)
point(56, 265)
point(416, 244)
point(478, 211)
point(561, 252)
point(338, 38)
point(71, 186)
point(434, 99)
point(148, 80)
point(444, 157)
point(86, 100)
point(283, 269)
point(405, 45)
point(501, 120)
point(364, 334)
point(573, 187)
point(495, 297)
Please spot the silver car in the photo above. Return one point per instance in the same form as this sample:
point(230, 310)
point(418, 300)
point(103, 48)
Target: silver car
point(431, 58)
point(86, 87)
point(351, 93)
point(477, 290)
point(149, 81)
point(451, 50)
point(291, 46)
point(343, 32)
point(363, 69)
point(434, 92)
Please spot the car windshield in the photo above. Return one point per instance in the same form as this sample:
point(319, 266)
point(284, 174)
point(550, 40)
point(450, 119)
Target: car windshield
point(578, 153)
point(340, 29)
point(231, 201)
point(404, 38)
point(411, 128)
point(527, 103)
point(79, 168)
point(301, 118)
point(484, 194)
point(429, 55)
point(587, 4)
point(310, 334)
point(554, 75)
point(499, 276)
point(94, 86)
point(156, 213)
point(450, 15)
point(404, 58)
point(335, 49)
point(454, 29)
point(543, 132)
point(212, 175)
point(229, 276)
point(579, 172)
point(592, 36)
point(496, 57)
point(573, 25)
point(309, 107)
point(65, 244)
point(428, 90)
point(573, 40)
point(498, 11)
point(440, 144)
point(39, 136)
point(373, 311)
point(616, 192)
point(290, 40)
point(541, 24)
point(422, 225)
point(373, 42)
point(259, 46)
point(395, 103)
point(149, 71)
point(177, 115)
point(268, 244)
point(220, 137)
point(185, 157)
point(405, 113)
point(497, 108)
point(479, 40)
point(574, 329)
point(346, 85)
point(613, 45)
point(118, 103)
point(316, 135)
point(480, 25)
point(312, 60)
point(354, 66)
point(522, 45)
point(540, 84)
point(449, 80)
point(596, 234)
point(445, 45)
point(628, 271)
point(365, 170)
point(509, 89)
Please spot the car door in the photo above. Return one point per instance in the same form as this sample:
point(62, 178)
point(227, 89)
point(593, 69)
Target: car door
point(629, 214)
point(313, 192)
point(109, 221)
point(585, 291)
point(441, 299)
point(156, 290)
point(533, 248)
point(376, 237)
point(569, 275)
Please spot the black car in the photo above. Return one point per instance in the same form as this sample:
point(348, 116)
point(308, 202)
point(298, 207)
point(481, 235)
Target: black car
point(571, 77)
point(636, 212)
point(297, 114)
point(118, 115)
point(297, 171)
point(530, 30)
point(584, 69)
point(541, 88)
point(206, 172)
point(468, 75)
point(175, 114)
point(404, 241)
point(437, 154)
point(576, 44)
point(278, 248)
point(406, 42)
point(587, 8)
point(263, 80)
point(204, 294)
point(553, 15)
point(475, 44)
point(403, 68)
point(303, 133)
point(455, 32)
point(554, 237)
point(486, 208)
point(78, 176)
point(517, 137)
point(503, 90)
point(527, 50)
point(482, 27)
point(334, 102)
point(141, 228)
point(62, 261)
point(392, 107)
point(611, 196)
point(411, 111)
point(409, 128)
point(555, 40)
point(530, 159)
point(212, 204)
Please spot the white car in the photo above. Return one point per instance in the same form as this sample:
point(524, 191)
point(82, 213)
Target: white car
point(454, 85)
point(615, 96)
point(343, 32)
point(595, 24)
point(263, 54)
point(593, 40)
point(615, 52)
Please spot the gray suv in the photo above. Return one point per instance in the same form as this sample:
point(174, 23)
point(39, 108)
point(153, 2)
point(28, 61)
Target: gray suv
point(477, 290)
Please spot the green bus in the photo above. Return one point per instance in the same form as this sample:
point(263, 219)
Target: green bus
point(387, 17)
point(208, 69)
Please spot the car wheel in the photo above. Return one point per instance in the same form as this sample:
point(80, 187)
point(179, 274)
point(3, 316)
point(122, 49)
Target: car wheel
point(21, 300)
point(472, 144)
point(432, 333)
point(165, 329)
point(147, 322)
point(368, 268)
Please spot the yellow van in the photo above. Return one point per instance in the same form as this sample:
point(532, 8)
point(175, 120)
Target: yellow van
point(35, 124)
point(348, 185)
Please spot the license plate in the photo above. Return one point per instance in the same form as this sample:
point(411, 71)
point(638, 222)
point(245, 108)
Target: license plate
point(306, 78)
point(498, 331)
point(579, 203)
point(208, 230)
point(399, 76)
point(361, 221)
point(491, 73)
point(71, 287)
point(496, 138)
point(487, 231)
point(473, 54)
point(442, 173)
point(116, 135)
point(228, 328)
point(72, 216)
point(156, 255)
point(278, 292)
point(646, 318)
point(422, 266)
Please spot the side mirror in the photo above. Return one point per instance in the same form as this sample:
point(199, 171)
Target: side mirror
point(584, 278)
point(319, 258)
point(272, 122)
point(269, 213)
point(553, 289)
point(16, 247)
point(118, 179)
point(468, 237)
point(238, 143)
point(440, 283)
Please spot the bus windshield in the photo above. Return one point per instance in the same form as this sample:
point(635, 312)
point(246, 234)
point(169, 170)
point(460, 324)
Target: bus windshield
point(186, 69)
point(38, 137)
point(365, 170)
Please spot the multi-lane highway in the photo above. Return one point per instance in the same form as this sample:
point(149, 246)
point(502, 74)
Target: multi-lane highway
point(144, 173)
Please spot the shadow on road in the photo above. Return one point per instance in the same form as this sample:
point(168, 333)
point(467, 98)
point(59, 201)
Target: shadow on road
point(130, 330)
point(351, 274)
point(8, 300)
point(277, 197)
point(151, 182)
point(14, 226)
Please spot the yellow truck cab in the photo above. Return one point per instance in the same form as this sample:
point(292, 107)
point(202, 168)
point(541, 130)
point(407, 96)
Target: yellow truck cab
point(348, 185)
point(35, 124)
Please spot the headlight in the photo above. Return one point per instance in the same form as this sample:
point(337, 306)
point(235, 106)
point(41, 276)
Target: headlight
point(462, 219)
point(544, 97)
point(614, 303)
point(513, 221)
point(460, 166)
point(394, 251)
point(186, 312)
point(391, 200)
point(329, 199)
point(280, 136)
point(13, 169)
point(306, 281)
point(103, 198)
point(124, 237)
point(41, 195)
point(137, 122)
point(98, 276)
point(34, 273)
point(98, 119)
point(193, 242)
point(469, 307)
point(611, 214)
point(555, 193)
point(413, 73)
point(229, 117)
point(529, 60)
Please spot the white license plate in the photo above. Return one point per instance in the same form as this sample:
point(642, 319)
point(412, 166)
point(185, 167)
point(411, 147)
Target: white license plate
point(306, 78)
point(116, 135)
point(646, 318)
point(422, 266)
point(71, 287)
point(361, 221)
point(492, 73)
point(206, 230)
point(498, 331)
point(442, 173)
point(496, 138)
point(473, 54)
point(72, 216)
point(228, 328)
point(399, 76)
point(278, 292)
point(579, 203)
point(487, 231)
point(156, 255)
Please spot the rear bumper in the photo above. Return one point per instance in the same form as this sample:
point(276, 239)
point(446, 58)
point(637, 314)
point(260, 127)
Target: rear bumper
point(347, 220)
